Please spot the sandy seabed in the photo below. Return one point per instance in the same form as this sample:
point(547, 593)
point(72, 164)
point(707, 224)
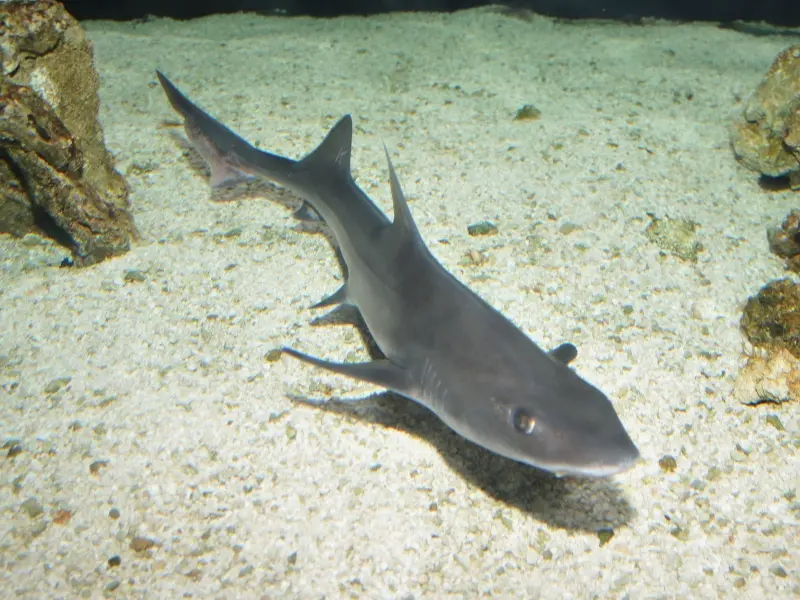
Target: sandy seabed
point(154, 447)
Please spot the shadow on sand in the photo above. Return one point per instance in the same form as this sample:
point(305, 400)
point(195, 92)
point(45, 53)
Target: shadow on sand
point(568, 503)
point(579, 504)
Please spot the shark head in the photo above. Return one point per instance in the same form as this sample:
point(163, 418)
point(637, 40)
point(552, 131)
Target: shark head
point(568, 429)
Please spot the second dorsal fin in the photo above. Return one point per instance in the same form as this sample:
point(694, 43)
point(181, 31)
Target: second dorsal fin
point(334, 151)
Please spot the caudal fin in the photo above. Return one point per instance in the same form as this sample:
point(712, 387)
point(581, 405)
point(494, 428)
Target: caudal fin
point(230, 157)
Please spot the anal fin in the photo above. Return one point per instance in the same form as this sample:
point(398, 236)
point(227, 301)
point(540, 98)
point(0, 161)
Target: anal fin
point(337, 297)
point(306, 213)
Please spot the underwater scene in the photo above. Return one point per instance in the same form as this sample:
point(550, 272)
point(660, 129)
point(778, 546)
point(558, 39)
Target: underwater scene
point(473, 305)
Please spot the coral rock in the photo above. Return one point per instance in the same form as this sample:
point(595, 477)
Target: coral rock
point(785, 240)
point(771, 321)
point(54, 167)
point(768, 377)
point(767, 136)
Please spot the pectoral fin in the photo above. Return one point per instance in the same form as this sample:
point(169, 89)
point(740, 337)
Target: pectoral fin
point(381, 372)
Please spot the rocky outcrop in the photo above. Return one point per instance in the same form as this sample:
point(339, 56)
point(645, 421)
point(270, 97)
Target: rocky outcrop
point(56, 175)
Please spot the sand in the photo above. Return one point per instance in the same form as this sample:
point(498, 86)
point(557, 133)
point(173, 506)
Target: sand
point(154, 447)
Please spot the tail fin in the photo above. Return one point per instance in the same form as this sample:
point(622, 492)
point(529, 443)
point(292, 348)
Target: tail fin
point(230, 157)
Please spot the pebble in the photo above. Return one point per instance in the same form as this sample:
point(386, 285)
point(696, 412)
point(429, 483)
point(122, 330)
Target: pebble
point(56, 384)
point(134, 276)
point(778, 571)
point(667, 463)
point(141, 544)
point(245, 571)
point(482, 228)
point(32, 507)
point(95, 467)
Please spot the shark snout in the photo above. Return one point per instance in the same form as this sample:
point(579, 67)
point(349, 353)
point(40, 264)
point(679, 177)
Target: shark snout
point(596, 453)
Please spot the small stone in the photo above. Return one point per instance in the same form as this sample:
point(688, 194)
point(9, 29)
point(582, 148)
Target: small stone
point(13, 450)
point(112, 585)
point(114, 561)
point(95, 467)
point(482, 228)
point(528, 112)
point(667, 463)
point(778, 571)
point(114, 513)
point(62, 516)
point(142, 544)
point(32, 507)
point(604, 535)
point(39, 527)
point(568, 227)
point(739, 583)
point(134, 276)
point(273, 355)
point(679, 533)
point(292, 559)
point(774, 421)
point(231, 233)
point(245, 571)
point(56, 384)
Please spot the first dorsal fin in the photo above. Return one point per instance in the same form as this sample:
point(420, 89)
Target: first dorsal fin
point(402, 215)
point(334, 151)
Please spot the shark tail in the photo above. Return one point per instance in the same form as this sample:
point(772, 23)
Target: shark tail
point(230, 157)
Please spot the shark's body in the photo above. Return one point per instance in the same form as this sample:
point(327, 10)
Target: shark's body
point(444, 346)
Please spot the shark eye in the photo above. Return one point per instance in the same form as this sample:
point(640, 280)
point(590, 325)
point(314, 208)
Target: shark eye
point(523, 421)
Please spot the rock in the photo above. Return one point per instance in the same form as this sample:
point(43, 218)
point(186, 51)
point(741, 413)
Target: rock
point(772, 377)
point(771, 318)
point(528, 112)
point(667, 463)
point(32, 507)
point(766, 138)
point(785, 240)
point(675, 236)
point(142, 544)
point(482, 228)
point(56, 175)
point(771, 322)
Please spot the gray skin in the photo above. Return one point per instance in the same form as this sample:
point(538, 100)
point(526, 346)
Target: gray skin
point(444, 346)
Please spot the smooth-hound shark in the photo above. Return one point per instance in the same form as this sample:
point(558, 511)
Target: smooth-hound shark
point(444, 347)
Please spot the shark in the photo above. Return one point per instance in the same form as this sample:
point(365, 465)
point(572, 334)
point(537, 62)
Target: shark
point(442, 345)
